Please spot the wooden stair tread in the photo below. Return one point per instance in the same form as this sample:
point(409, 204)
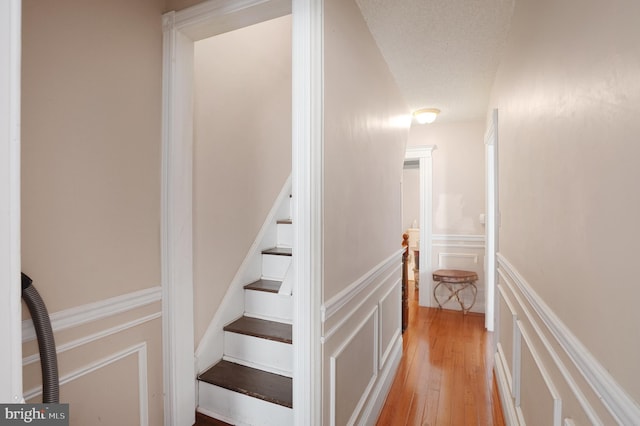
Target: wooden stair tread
point(278, 251)
point(270, 330)
point(284, 222)
point(270, 286)
point(204, 420)
point(250, 381)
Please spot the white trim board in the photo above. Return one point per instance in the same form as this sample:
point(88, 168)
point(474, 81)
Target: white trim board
point(94, 336)
point(619, 404)
point(424, 153)
point(354, 289)
point(10, 289)
point(79, 315)
point(180, 31)
point(143, 393)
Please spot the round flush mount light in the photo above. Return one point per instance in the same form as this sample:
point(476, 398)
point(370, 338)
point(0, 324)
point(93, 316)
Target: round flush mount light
point(426, 115)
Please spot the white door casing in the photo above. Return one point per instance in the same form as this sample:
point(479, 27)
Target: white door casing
point(492, 219)
point(181, 29)
point(423, 153)
point(10, 288)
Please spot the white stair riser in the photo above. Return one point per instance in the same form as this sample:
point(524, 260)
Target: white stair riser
point(271, 306)
point(285, 235)
point(275, 267)
point(243, 409)
point(274, 357)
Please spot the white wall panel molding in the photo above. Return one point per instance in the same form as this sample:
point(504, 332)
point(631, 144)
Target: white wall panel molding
point(385, 380)
point(389, 308)
point(443, 256)
point(143, 394)
point(613, 397)
point(515, 361)
point(504, 389)
point(333, 305)
point(459, 238)
point(359, 358)
point(544, 373)
point(94, 336)
point(79, 315)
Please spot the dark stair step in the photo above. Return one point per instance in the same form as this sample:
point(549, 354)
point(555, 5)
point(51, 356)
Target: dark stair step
point(278, 251)
point(270, 286)
point(250, 381)
point(270, 330)
point(285, 222)
point(203, 420)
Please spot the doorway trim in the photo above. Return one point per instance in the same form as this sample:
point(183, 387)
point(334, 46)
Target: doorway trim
point(492, 222)
point(423, 154)
point(180, 31)
point(10, 289)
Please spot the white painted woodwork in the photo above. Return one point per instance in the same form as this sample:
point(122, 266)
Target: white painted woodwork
point(424, 155)
point(491, 218)
point(285, 235)
point(181, 29)
point(10, 311)
point(263, 354)
point(286, 287)
point(270, 306)
point(241, 409)
point(274, 267)
point(541, 367)
point(362, 343)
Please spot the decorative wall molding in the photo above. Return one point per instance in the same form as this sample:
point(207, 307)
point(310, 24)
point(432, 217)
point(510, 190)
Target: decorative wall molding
point(143, 399)
point(83, 314)
point(544, 373)
point(334, 304)
point(385, 352)
point(614, 398)
point(442, 256)
point(372, 316)
point(508, 407)
point(93, 337)
point(460, 238)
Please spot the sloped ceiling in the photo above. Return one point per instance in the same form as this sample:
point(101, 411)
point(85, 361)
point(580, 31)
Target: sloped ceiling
point(443, 53)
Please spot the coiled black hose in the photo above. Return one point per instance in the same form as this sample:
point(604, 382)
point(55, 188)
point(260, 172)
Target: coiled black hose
point(46, 343)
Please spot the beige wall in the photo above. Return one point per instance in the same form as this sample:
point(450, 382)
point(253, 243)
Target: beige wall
point(568, 96)
point(242, 150)
point(410, 197)
point(365, 131)
point(91, 120)
point(364, 141)
point(458, 174)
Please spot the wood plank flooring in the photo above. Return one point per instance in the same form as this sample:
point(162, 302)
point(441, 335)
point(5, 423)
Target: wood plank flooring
point(446, 373)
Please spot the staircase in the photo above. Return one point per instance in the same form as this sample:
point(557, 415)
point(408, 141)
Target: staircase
point(252, 383)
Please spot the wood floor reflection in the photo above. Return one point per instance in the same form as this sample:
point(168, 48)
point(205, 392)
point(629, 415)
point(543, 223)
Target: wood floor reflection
point(446, 373)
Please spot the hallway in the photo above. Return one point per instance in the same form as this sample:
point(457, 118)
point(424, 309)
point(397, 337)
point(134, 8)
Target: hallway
point(446, 373)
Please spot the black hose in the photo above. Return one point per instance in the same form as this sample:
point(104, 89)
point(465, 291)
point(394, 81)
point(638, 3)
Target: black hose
point(46, 343)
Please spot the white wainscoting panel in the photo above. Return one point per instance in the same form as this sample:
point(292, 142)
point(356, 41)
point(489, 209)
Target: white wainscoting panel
point(354, 368)
point(548, 359)
point(362, 345)
point(464, 252)
point(390, 311)
point(140, 350)
point(537, 408)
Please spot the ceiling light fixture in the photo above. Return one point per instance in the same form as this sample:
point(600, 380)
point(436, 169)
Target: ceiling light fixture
point(426, 115)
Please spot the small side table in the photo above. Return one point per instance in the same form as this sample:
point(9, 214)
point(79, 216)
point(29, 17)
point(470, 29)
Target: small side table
point(455, 281)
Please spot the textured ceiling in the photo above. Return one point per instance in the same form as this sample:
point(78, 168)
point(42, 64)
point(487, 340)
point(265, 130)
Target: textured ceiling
point(443, 53)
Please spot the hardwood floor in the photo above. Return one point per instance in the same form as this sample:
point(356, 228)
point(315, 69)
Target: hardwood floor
point(446, 373)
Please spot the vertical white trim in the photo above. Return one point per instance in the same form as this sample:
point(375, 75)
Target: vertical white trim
point(424, 155)
point(180, 31)
point(492, 219)
point(176, 232)
point(10, 289)
point(307, 167)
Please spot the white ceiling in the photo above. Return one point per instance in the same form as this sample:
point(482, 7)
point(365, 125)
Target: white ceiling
point(443, 53)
